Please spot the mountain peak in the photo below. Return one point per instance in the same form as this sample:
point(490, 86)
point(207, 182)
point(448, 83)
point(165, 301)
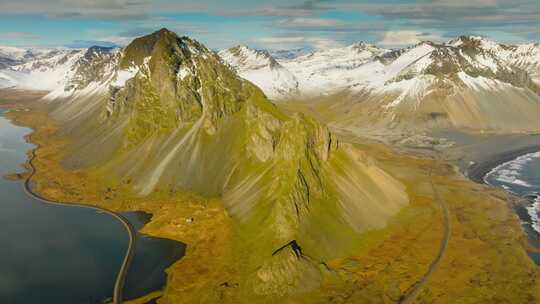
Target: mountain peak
point(164, 30)
point(160, 41)
point(361, 45)
point(242, 55)
point(472, 41)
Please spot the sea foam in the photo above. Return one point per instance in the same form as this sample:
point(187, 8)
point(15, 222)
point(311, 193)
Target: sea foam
point(510, 176)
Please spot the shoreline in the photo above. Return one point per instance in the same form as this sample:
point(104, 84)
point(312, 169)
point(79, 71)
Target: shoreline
point(477, 173)
point(122, 274)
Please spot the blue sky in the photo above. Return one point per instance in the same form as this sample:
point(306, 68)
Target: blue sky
point(275, 24)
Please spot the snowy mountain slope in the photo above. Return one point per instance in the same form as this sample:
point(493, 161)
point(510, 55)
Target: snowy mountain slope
point(469, 82)
point(466, 83)
point(525, 56)
point(468, 61)
point(288, 54)
point(13, 53)
point(331, 70)
point(11, 56)
point(6, 81)
point(457, 80)
point(63, 72)
point(47, 73)
point(263, 70)
point(320, 72)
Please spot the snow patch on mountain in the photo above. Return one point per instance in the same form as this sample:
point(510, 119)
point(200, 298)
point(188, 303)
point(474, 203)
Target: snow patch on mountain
point(288, 54)
point(416, 88)
point(13, 53)
point(6, 81)
point(415, 55)
point(263, 70)
point(46, 74)
point(324, 71)
point(123, 76)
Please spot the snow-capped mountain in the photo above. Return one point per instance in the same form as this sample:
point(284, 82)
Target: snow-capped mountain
point(61, 71)
point(330, 70)
point(288, 54)
point(13, 53)
point(319, 72)
point(263, 70)
point(467, 82)
point(11, 56)
point(363, 66)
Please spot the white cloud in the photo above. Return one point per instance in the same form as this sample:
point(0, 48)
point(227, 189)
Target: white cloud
point(19, 35)
point(279, 40)
point(309, 22)
point(299, 42)
point(401, 38)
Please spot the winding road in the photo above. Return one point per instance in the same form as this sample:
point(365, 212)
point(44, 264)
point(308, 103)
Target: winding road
point(121, 277)
point(415, 289)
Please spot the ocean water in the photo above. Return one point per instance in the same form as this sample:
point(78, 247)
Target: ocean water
point(521, 177)
point(64, 254)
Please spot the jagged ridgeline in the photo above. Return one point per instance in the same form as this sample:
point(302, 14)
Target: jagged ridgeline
point(170, 115)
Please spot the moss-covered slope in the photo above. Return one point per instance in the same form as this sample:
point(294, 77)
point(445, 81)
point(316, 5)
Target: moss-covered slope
point(183, 121)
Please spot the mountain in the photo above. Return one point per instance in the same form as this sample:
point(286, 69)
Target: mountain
point(167, 115)
point(263, 70)
point(13, 56)
point(288, 54)
point(467, 83)
point(59, 71)
point(331, 70)
point(315, 73)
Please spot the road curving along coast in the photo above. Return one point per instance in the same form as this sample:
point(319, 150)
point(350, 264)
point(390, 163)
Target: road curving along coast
point(122, 274)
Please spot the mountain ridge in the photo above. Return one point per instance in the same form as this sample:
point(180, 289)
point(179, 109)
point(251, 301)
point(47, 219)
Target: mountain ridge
point(166, 115)
point(451, 82)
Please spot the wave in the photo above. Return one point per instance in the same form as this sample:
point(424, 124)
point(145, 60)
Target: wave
point(534, 213)
point(510, 172)
point(509, 176)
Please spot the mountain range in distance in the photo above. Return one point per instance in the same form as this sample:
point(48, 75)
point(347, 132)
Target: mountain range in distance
point(468, 82)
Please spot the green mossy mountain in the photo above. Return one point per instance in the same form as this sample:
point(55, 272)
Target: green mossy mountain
point(185, 121)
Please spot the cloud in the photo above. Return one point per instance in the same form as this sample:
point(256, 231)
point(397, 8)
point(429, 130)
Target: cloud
point(88, 9)
point(242, 21)
point(312, 5)
point(19, 35)
point(306, 8)
point(301, 22)
point(294, 42)
point(143, 9)
point(78, 44)
point(403, 38)
point(136, 32)
point(452, 13)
